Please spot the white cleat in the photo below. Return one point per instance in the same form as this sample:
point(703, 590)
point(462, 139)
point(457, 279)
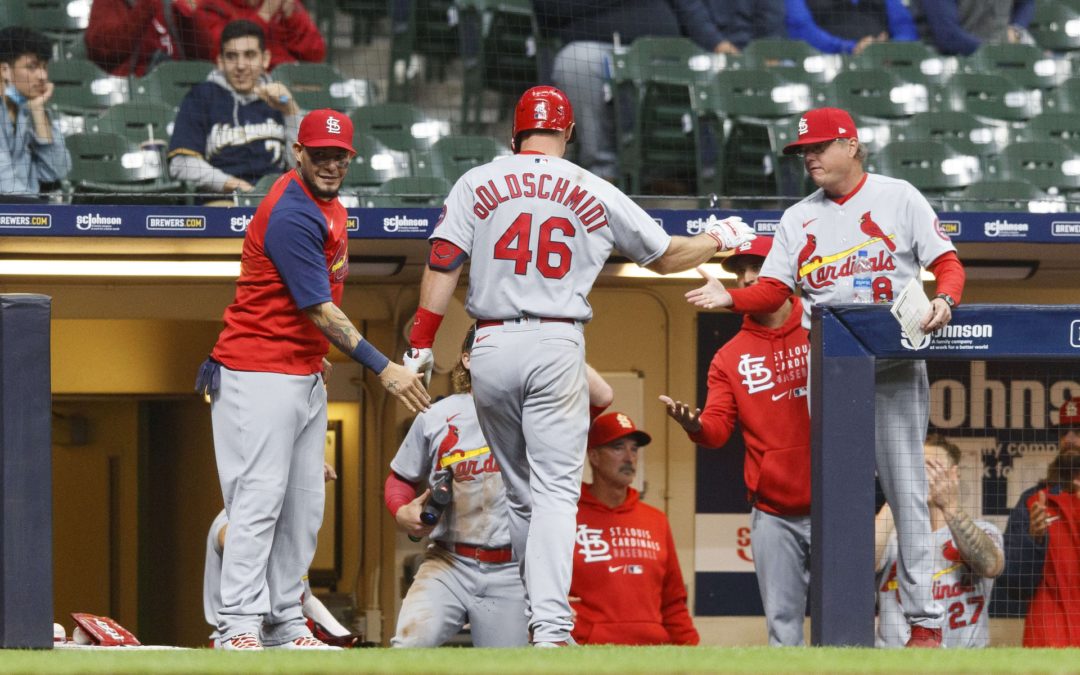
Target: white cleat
point(306, 642)
point(244, 642)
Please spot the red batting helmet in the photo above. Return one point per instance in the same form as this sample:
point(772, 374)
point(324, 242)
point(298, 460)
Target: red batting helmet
point(541, 107)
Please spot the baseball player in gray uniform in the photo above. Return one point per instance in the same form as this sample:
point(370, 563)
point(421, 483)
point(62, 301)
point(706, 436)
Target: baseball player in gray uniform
point(469, 574)
point(968, 556)
point(537, 230)
point(814, 249)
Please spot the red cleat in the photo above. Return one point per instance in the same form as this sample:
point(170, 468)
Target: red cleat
point(924, 638)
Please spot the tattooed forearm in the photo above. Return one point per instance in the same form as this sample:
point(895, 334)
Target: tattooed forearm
point(980, 552)
point(333, 323)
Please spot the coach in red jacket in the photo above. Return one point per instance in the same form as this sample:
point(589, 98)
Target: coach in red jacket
point(758, 379)
point(627, 586)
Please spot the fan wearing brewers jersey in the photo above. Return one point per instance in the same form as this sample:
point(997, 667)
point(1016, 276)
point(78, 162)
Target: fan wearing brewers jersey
point(968, 555)
point(814, 250)
point(470, 574)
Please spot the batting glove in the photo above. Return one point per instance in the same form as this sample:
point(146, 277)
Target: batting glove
point(420, 361)
point(729, 233)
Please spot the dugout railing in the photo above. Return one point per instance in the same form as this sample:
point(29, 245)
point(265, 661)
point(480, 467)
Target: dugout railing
point(846, 341)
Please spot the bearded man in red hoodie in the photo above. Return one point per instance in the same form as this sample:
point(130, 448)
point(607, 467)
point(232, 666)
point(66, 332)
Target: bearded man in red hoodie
point(627, 587)
point(758, 379)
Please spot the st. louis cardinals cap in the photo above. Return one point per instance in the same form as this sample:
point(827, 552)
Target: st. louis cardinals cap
point(326, 129)
point(820, 125)
point(613, 426)
point(1069, 414)
point(758, 246)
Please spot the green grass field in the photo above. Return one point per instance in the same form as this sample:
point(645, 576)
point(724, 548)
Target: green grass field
point(576, 660)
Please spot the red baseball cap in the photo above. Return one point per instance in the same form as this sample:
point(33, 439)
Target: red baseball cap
point(758, 246)
point(820, 125)
point(1069, 414)
point(613, 426)
point(326, 129)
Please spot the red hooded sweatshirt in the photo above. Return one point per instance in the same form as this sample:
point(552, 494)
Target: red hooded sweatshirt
point(759, 380)
point(627, 586)
point(1053, 618)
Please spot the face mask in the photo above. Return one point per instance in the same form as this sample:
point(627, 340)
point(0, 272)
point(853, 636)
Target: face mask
point(14, 96)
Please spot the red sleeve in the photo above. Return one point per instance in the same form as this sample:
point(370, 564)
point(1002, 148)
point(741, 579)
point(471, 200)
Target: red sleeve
point(676, 616)
point(397, 492)
point(718, 418)
point(595, 411)
point(303, 39)
point(764, 297)
point(115, 30)
point(950, 275)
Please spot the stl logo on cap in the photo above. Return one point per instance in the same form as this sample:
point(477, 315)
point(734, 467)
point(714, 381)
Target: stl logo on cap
point(624, 421)
point(1070, 410)
point(333, 126)
point(804, 126)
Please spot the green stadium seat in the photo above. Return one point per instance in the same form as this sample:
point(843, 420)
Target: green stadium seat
point(988, 95)
point(169, 82)
point(961, 130)
point(80, 88)
point(62, 21)
point(420, 29)
point(319, 85)
point(1048, 165)
point(402, 127)
point(794, 60)
point(106, 167)
point(1027, 65)
point(143, 123)
point(1065, 98)
point(1056, 26)
point(365, 15)
point(373, 165)
point(499, 47)
point(12, 14)
point(1009, 195)
point(1055, 126)
point(878, 93)
point(410, 191)
point(261, 189)
point(912, 61)
point(452, 156)
point(657, 115)
point(931, 166)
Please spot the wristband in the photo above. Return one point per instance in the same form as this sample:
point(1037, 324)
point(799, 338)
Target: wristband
point(425, 325)
point(365, 354)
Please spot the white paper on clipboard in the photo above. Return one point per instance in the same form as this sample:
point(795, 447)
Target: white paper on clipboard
point(910, 308)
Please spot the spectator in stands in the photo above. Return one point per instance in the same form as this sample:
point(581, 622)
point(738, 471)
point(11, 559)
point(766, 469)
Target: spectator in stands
point(238, 125)
point(627, 587)
point(848, 26)
point(291, 34)
point(1053, 618)
point(32, 149)
point(742, 21)
point(1024, 554)
point(589, 30)
point(967, 558)
point(962, 26)
point(133, 36)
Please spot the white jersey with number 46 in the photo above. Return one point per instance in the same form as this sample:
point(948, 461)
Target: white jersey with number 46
point(819, 239)
point(538, 230)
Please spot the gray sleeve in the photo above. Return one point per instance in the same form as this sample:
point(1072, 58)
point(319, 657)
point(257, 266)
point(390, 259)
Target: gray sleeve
point(413, 459)
point(781, 261)
point(52, 159)
point(199, 172)
point(292, 132)
point(636, 234)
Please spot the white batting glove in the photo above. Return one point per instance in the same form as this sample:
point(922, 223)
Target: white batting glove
point(420, 361)
point(729, 233)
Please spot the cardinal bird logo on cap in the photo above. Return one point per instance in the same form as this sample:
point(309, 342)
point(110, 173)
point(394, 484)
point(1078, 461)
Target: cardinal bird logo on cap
point(869, 227)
